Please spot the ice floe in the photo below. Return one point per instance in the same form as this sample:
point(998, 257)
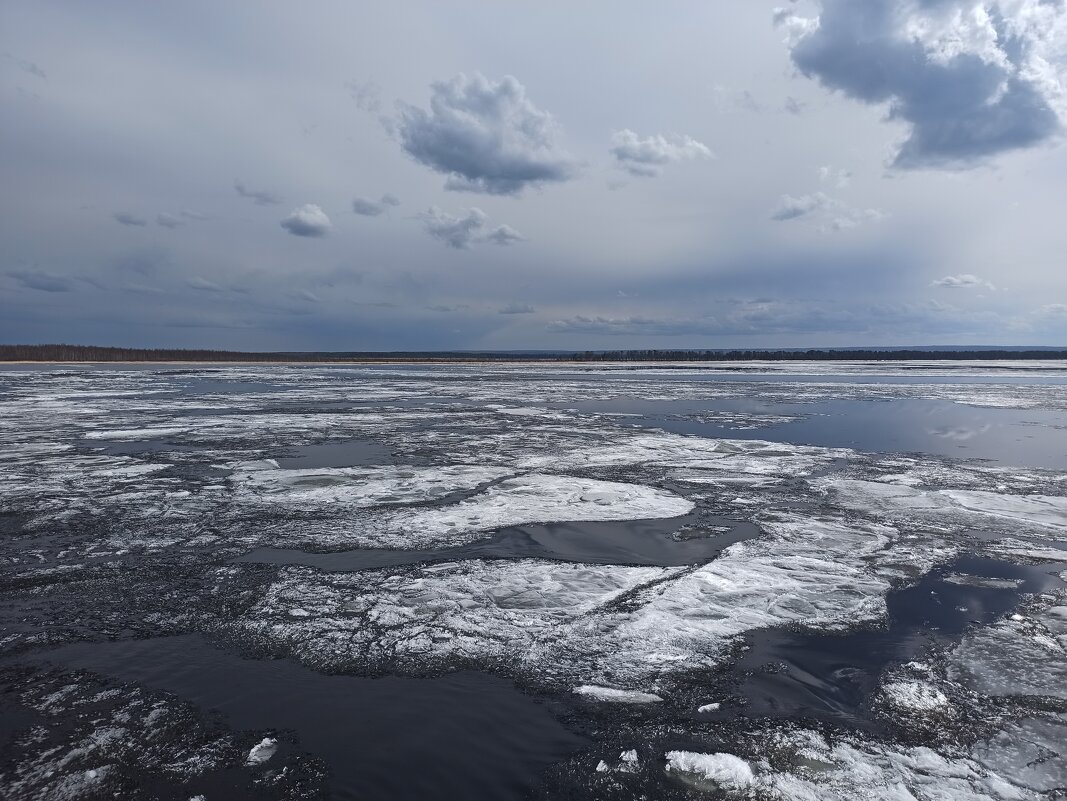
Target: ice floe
point(262, 751)
point(509, 613)
point(358, 486)
point(553, 621)
point(808, 767)
point(541, 498)
point(967, 507)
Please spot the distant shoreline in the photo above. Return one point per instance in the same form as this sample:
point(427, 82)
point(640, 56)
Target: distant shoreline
point(87, 354)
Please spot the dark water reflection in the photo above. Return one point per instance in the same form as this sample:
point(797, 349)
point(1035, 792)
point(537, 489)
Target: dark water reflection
point(1021, 437)
point(832, 676)
point(463, 735)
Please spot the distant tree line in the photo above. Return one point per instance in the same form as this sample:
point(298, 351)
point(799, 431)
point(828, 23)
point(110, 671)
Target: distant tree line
point(835, 354)
point(90, 353)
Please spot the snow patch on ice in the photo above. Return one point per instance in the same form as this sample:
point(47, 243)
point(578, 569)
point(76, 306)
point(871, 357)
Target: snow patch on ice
point(916, 696)
point(725, 771)
point(540, 498)
point(614, 696)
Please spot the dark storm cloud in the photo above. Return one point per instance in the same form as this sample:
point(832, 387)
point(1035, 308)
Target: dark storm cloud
point(967, 92)
point(646, 157)
point(129, 219)
point(42, 281)
point(258, 196)
point(461, 232)
point(372, 208)
point(308, 220)
point(485, 136)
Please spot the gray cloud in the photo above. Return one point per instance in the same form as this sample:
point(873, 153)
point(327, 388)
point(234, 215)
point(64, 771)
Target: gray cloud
point(727, 98)
point(308, 220)
point(485, 136)
point(461, 232)
point(646, 157)
point(372, 208)
point(168, 220)
point(42, 281)
point(839, 178)
point(792, 208)
point(202, 284)
point(126, 218)
point(745, 318)
point(260, 197)
point(366, 94)
point(366, 207)
point(832, 214)
point(26, 66)
point(517, 308)
point(456, 232)
point(970, 79)
point(504, 235)
point(962, 281)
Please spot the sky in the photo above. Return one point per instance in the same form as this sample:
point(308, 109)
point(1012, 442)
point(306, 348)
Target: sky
point(554, 175)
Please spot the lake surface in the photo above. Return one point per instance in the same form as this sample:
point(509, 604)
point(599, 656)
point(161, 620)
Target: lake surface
point(486, 581)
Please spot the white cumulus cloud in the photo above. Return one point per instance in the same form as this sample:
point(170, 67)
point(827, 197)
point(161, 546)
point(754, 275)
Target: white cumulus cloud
point(647, 157)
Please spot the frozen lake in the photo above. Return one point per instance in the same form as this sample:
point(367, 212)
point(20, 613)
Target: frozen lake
point(759, 580)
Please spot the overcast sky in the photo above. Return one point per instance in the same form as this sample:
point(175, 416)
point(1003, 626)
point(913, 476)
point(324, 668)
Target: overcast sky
point(349, 176)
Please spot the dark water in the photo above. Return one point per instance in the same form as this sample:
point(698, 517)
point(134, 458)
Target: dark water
point(630, 542)
point(832, 676)
point(343, 453)
point(1032, 438)
point(462, 736)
